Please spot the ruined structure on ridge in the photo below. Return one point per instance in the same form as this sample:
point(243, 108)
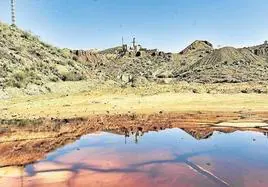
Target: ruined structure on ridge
point(136, 50)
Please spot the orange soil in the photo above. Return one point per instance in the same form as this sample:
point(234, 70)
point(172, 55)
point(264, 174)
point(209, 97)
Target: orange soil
point(21, 145)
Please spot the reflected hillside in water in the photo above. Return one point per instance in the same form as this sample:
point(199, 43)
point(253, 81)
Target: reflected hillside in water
point(170, 157)
point(27, 143)
point(196, 133)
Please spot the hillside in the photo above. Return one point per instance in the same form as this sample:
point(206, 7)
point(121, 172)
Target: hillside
point(260, 50)
point(193, 52)
point(112, 50)
point(30, 66)
point(25, 61)
point(227, 65)
point(198, 45)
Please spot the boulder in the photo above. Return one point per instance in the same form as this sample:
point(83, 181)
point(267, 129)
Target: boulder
point(126, 78)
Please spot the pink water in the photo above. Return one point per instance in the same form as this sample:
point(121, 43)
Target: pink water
point(167, 158)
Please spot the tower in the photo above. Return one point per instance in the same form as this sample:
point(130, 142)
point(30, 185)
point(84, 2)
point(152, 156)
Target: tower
point(134, 43)
point(13, 16)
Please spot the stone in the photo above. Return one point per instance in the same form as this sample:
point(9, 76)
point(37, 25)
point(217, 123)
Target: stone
point(126, 78)
point(3, 94)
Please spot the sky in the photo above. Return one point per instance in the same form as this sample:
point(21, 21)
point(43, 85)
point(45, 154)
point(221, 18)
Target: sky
point(168, 25)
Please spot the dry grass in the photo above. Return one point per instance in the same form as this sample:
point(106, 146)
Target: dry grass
point(25, 60)
point(139, 100)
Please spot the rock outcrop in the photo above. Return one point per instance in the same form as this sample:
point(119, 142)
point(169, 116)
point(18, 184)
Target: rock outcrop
point(91, 56)
point(260, 50)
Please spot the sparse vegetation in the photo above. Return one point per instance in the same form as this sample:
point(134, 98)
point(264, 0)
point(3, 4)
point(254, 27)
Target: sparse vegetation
point(25, 60)
point(28, 64)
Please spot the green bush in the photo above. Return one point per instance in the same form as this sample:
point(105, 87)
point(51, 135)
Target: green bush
point(72, 76)
point(26, 35)
point(19, 76)
point(14, 83)
point(29, 36)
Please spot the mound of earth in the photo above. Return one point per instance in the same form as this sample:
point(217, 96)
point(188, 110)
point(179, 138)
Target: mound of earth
point(194, 52)
point(198, 45)
point(227, 65)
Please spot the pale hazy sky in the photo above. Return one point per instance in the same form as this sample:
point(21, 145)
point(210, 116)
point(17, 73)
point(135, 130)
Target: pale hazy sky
point(165, 24)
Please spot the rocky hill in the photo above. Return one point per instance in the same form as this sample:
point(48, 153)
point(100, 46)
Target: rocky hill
point(25, 61)
point(28, 64)
point(198, 45)
point(227, 65)
point(193, 52)
point(112, 50)
point(260, 50)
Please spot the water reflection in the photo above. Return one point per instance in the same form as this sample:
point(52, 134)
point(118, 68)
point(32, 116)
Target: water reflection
point(171, 157)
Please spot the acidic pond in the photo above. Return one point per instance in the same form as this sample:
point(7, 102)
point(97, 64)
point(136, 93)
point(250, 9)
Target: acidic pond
point(166, 158)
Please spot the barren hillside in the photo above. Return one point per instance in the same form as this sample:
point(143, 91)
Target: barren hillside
point(28, 64)
point(227, 65)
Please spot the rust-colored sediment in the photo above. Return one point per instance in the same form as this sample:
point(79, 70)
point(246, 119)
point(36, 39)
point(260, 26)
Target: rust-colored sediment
point(20, 145)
